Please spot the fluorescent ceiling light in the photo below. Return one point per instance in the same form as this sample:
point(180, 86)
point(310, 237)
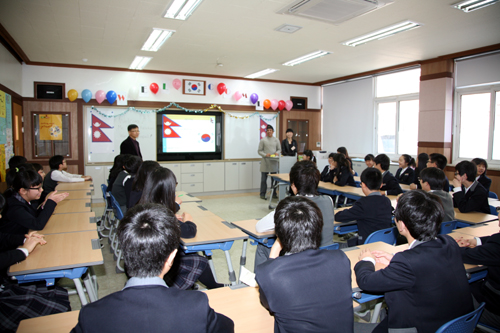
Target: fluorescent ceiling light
point(261, 73)
point(139, 62)
point(382, 33)
point(156, 39)
point(305, 58)
point(181, 9)
point(471, 5)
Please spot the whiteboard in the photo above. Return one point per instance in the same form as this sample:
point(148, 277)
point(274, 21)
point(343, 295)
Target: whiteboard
point(242, 136)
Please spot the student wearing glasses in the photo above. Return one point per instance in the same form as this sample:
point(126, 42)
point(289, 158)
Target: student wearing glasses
point(20, 215)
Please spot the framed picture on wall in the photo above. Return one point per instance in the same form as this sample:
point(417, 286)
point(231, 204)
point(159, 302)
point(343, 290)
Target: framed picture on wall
point(194, 87)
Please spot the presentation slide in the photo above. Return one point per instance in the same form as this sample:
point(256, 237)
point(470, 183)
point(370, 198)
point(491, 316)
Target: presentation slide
point(188, 133)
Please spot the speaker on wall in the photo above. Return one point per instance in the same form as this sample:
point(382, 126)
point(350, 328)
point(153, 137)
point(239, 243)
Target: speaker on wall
point(49, 91)
point(299, 103)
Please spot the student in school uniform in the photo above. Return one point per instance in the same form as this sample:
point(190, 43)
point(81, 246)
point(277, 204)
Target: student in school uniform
point(343, 150)
point(306, 289)
point(14, 161)
point(485, 251)
point(425, 286)
point(405, 174)
point(372, 212)
point(289, 145)
point(469, 195)
point(20, 216)
point(116, 169)
point(58, 174)
point(439, 161)
point(304, 180)
point(482, 167)
point(329, 171)
point(343, 174)
point(309, 156)
point(130, 166)
point(146, 304)
point(431, 180)
point(138, 184)
point(422, 160)
point(370, 160)
point(390, 185)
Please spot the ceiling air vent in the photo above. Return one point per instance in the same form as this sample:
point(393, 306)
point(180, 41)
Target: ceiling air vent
point(332, 11)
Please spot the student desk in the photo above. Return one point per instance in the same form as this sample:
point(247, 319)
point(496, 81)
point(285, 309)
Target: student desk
point(78, 186)
point(466, 219)
point(63, 223)
point(186, 197)
point(79, 195)
point(195, 209)
point(405, 187)
point(266, 238)
point(56, 323)
point(479, 230)
point(73, 206)
point(243, 307)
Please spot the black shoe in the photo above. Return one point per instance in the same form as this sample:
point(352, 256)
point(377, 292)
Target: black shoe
point(263, 197)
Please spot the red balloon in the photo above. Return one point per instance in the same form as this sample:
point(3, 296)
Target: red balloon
point(154, 88)
point(221, 88)
point(281, 105)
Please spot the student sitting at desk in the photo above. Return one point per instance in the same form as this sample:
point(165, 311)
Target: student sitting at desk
point(482, 167)
point(187, 268)
point(14, 162)
point(20, 216)
point(57, 174)
point(116, 169)
point(329, 171)
point(390, 185)
point(343, 174)
point(130, 166)
point(439, 161)
point(422, 160)
point(306, 289)
point(405, 174)
point(146, 304)
point(426, 285)
point(343, 151)
point(309, 156)
point(140, 179)
point(485, 251)
point(372, 212)
point(304, 180)
point(431, 180)
point(469, 195)
point(370, 160)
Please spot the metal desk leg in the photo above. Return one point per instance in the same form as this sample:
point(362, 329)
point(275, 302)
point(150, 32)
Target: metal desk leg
point(208, 254)
point(79, 290)
point(376, 311)
point(87, 281)
point(232, 275)
point(94, 279)
point(283, 192)
point(243, 259)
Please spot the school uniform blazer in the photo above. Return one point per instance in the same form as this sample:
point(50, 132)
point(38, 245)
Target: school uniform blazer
point(309, 291)
point(390, 184)
point(447, 201)
point(152, 308)
point(425, 286)
point(487, 254)
point(286, 148)
point(19, 216)
point(344, 177)
point(407, 177)
point(475, 200)
point(9, 255)
point(485, 181)
point(128, 147)
point(373, 212)
point(327, 174)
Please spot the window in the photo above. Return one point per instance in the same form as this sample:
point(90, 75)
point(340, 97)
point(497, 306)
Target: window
point(478, 123)
point(396, 104)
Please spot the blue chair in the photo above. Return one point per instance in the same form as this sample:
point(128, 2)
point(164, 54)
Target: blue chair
point(487, 328)
point(464, 324)
point(493, 210)
point(115, 246)
point(492, 195)
point(106, 213)
point(448, 227)
point(334, 246)
point(388, 236)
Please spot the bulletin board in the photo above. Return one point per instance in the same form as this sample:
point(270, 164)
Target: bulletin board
point(6, 144)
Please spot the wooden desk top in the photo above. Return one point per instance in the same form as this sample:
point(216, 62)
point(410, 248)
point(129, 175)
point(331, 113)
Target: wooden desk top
point(186, 197)
point(480, 230)
point(57, 323)
point(73, 206)
point(248, 226)
point(283, 176)
point(79, 195)
point(243, 307)
point(62, 251)
point(195, 209)
point(474, 217)
point(405, 187)
point(78, 186)
point(212, 229)
point(62, 223)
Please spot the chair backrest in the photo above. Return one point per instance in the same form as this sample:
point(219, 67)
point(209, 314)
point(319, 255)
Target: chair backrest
point(116, 207)
point(104, 189)
point(448, 227)
point(334, 246)
point(463, 324)
point(388, 236)
point(492, 195)
point(493, 210)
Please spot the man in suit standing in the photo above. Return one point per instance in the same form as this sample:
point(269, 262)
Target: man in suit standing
point(469, 195)
point(130, 144)
point(149, 236)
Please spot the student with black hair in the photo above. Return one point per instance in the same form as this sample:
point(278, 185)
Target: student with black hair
point(16, 160)
point(425, 286)
point(309, 156)
point(439, 161)
point(289, 145)
point(343, 173)
point(343, 150)
point(422, 160)
point(405, 174)
point(20, 215)
point(328, 172)
point(390, 185)
point(39, 168)
point(370, 160)
point(130, 166)
point(146, 304)
point(11, 174)
point(373, 212)
point(292, 285)
point(482, 167)
point(57, 173)
point(116, 169)
point(138, 184)
point(469, 195)
point(431, 180)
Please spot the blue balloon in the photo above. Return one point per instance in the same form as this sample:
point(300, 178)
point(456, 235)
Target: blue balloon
point(87, 95)
point(111, 96)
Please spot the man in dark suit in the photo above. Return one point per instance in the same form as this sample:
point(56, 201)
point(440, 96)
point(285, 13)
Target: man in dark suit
point(469, 195)
point(426, 285)
point(130, 144)
point(149, 236)
point(390, 185)
point(297, 287)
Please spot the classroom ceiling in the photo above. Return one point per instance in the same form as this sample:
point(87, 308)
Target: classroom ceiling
point(240, 34)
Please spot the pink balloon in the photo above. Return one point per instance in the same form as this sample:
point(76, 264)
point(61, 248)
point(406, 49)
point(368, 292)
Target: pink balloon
point(274, 104)
point(100, 95)
point(237, 95)
point(177, 84)
point(288, 105)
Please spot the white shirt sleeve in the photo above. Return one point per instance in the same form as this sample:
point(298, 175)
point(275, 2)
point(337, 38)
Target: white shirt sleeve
point(369, 259)
point(63, 176)
point(266, 223)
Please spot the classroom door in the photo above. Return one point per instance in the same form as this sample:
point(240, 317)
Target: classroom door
point(301, 133)
point(18, 129)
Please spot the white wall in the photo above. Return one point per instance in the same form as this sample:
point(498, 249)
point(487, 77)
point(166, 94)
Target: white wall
point(130, 82)
point(348, 117)
point(10, 71)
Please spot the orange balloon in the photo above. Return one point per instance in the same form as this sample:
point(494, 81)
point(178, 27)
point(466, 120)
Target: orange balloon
point(267, 104)
point(72, 95)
